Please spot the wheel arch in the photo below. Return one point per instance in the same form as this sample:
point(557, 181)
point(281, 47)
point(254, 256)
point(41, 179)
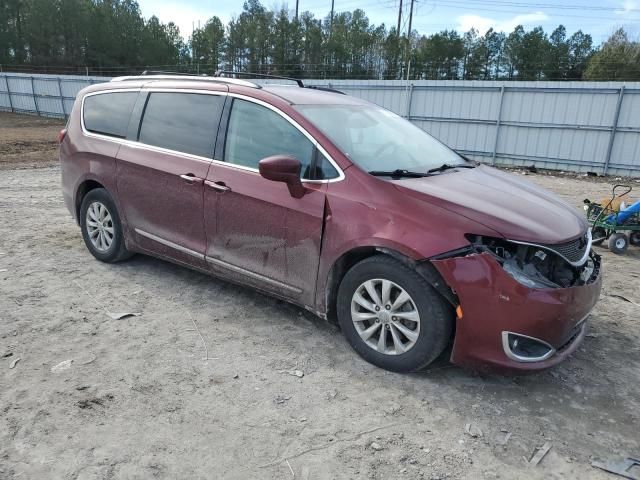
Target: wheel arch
point(83, 188)
point(348, 259)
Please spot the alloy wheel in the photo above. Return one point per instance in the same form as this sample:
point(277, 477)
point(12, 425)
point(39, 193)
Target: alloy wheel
point(385, 316)
point(99, 226)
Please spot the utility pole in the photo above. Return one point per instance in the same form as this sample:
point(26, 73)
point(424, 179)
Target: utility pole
point(193, 30)
point(297, 2)
point(399, 18)
point(410, 20)
point(409, 39)
point(331, 24)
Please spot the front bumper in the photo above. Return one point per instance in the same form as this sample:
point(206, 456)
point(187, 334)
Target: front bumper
point(493, 302)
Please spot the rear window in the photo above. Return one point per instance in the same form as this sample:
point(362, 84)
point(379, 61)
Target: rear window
point(108, 113)
point(184, 122)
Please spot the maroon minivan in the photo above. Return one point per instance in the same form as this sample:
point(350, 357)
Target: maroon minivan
point(337, 205)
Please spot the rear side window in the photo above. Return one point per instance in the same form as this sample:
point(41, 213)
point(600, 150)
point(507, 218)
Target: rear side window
point(108, 113)
point(185, 122)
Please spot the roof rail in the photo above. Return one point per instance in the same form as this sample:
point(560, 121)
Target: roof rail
point(164, 72)
point(219, 73)
point(157, 75)
point(325, 89)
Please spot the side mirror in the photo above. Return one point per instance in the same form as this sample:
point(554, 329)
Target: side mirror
point(280, 168)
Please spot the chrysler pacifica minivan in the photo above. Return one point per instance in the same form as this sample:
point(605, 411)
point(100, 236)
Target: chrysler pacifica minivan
point(336, 205)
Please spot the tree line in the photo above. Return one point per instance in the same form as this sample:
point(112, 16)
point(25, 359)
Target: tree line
point(112, 37)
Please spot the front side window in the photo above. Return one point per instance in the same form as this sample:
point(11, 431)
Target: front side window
point(256, 132)
point(108, 113)
point(184, 122)
point(379, 140)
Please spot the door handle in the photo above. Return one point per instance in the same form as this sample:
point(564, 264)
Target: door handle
point(190, 178)
point(219, 186)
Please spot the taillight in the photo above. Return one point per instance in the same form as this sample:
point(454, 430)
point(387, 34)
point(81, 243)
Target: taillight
point(61, 135)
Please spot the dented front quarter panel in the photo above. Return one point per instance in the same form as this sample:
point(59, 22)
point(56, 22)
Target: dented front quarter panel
point(493, 302)
point(388, 220)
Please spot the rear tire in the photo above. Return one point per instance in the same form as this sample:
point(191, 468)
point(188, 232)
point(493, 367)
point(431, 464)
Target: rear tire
point(101, 227)
point(411, 305)
point(618, 243)
point(634, 239)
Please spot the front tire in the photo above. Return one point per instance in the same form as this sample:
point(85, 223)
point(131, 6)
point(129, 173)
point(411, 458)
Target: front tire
point(391, 316)
point(101, 227)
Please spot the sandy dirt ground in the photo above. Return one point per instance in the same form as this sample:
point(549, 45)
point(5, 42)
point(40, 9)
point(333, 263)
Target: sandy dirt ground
point(202, 384)
point(28, 141)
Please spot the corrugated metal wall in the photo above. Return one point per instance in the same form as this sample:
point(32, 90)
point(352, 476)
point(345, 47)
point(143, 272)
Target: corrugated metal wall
point(578, 126)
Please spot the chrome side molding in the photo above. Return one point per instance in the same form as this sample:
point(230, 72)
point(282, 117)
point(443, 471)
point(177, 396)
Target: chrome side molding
point(221, 263)
point(254, 275)
point(175, 246)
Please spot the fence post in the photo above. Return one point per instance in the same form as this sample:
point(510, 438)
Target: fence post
point(409, 98)
point(614, 127)
point(495, 141)
point(6, 79)
point(35, 100)
point(64, 113)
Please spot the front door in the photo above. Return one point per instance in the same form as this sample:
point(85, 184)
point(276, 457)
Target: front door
point(257, 232)
point(160, 177)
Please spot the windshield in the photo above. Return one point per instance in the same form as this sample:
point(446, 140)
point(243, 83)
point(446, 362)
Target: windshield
point(379, 140)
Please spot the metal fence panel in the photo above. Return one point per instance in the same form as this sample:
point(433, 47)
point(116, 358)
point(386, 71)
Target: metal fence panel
point(578, 126)
point(626, 151)
point(630, 110)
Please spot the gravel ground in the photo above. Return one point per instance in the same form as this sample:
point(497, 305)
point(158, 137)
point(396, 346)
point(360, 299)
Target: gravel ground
point(203, 383)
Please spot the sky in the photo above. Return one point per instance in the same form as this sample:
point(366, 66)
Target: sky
point(596, 17)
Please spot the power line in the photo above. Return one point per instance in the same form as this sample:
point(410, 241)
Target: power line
point(550, 6)
point(457, 6)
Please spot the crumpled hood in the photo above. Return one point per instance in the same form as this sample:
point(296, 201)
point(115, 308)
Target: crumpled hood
point(513, 207)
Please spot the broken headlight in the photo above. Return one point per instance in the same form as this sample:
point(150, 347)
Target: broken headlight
point(535, 267)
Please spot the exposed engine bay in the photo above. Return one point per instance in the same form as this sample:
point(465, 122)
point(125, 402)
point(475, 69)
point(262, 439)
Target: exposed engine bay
point(538, 266)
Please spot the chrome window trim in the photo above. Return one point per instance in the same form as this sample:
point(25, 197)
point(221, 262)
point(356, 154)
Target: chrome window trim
point(509, 353)
point(168, 243)
point(575, 264)
point(101, 92)
point(136, 144)
point(222, 163)
point(153, 148)
point(310, 137)
point(141, 145)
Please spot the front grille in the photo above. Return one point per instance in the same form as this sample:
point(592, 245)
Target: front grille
point(573, 250)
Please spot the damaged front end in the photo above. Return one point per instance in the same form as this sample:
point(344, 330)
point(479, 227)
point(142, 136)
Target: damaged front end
point(543, 266)
point(523, 306)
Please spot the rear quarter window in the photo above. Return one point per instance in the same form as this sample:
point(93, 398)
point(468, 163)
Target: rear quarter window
point(108, 113)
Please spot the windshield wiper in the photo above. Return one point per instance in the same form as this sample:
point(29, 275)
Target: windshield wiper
point(398, 173)
point(446, 166)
